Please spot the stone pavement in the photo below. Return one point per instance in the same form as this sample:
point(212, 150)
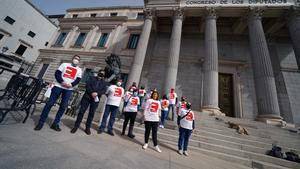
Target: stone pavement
point(23, 148)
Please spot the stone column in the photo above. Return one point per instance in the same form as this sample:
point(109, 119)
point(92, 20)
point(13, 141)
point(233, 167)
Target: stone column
point(115, 39)
point(140, 53)
point(70, 37)
point(210, 65)
point(174, 51)
point(90, 39)
point(266, 95)
point(54, 37)
point(294, 28)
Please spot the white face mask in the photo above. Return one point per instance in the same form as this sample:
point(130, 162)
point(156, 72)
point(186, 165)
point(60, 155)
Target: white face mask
point(119, 83)
point(75, 61)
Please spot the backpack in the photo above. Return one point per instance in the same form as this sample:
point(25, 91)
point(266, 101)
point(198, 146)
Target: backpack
point(291, 156)
point(275, 152)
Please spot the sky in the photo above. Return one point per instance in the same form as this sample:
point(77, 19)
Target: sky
point(52, 7)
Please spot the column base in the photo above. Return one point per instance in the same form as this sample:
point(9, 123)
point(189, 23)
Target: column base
point(271, 119)
point(213, 111)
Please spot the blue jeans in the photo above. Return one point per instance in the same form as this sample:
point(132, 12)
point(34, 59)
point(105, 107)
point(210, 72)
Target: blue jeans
point(184, 136)
point(172, 107)
point(112, 110)
point(55, 93)
point(141, 103)
point(164, 116)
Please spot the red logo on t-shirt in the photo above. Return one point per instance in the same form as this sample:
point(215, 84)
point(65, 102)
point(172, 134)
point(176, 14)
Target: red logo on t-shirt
point(183, 105)
point(154, 107)
point(172, 96)
point(70, 72)
point(134, 101)
point(189, 116)
point(118, 92)
point(141, 92)
point(164, 103)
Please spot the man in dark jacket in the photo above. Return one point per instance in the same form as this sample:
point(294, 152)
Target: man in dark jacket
point(95, 87)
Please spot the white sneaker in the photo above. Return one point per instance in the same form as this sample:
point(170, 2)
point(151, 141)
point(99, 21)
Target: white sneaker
point(185, 153)
point(162, 126)
point(145, 146)
point(180, 152)
point(157, 149)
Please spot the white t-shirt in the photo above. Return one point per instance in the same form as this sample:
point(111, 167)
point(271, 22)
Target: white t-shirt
point(164, 104)
point(127, 95)
point(172, 98)
point(69, 74)
point(187, 121)
point(132, 105)
point(142, 92)
point(115, 95)
point(180, 106)
point(152, 110)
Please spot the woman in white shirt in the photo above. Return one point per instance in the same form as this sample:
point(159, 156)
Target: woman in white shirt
point(151, 119)
point(130, 112)
point(164, 110)
point(186, 124)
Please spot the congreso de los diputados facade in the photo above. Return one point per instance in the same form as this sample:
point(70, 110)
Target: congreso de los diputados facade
point(237, 57)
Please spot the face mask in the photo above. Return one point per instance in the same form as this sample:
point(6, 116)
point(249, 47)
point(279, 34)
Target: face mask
point(119, 83)
point(75, 61)
point(101, 75)
point(135, 93)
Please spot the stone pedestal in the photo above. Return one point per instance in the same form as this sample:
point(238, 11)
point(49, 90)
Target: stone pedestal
point(138, 60)
point(266, 95)
point(174, 51)
point(210, 66)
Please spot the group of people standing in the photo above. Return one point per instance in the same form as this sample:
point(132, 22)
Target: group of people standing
point(154, 112)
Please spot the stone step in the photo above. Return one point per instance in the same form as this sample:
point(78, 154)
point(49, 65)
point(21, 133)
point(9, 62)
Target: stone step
point(222, 148)
point(224, 156)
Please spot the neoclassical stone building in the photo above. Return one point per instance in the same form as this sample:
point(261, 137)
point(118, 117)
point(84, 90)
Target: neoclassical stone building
point(238, 57)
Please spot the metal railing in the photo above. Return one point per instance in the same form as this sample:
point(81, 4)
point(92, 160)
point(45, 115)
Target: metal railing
point(20, 93)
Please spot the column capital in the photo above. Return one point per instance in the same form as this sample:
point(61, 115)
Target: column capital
point(211, 12)
point(75, 28)
point(148, 12)
point(178, 13)
point(94, 27)
point(255, 13)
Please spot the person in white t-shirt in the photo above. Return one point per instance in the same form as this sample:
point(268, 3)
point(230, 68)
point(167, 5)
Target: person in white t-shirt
point(130, 112)
point(164, 110)
point(151, 119)
point(142, 94)
point(186, 124)
point(67, 76)
point(181, 105)
point(172, 96)
point(114, 95)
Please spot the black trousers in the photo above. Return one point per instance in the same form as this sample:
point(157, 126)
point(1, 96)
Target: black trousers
point(84, 104)
point(129, 116)
point(151, 125)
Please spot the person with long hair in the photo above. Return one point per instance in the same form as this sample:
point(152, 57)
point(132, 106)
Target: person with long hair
point(151, 119)
point(164, 110)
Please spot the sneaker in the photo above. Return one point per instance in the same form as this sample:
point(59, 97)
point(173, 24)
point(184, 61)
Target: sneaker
point(111, 133)
point(55, 127)
point(74, 130)
point(160, 126)
point(157, 149)
point(185, 153)
point(180, 152)
point(145, 146)
point(38, 127)
point(87, 131)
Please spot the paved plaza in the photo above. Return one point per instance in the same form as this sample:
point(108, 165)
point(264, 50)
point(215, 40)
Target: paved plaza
point(24, 148)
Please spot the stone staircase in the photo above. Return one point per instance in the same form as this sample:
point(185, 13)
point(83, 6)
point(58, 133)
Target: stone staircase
point(213, 137)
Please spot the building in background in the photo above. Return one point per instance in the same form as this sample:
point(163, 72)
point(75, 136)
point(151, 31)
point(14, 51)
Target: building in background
point(235, 57)
point(24, 30)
